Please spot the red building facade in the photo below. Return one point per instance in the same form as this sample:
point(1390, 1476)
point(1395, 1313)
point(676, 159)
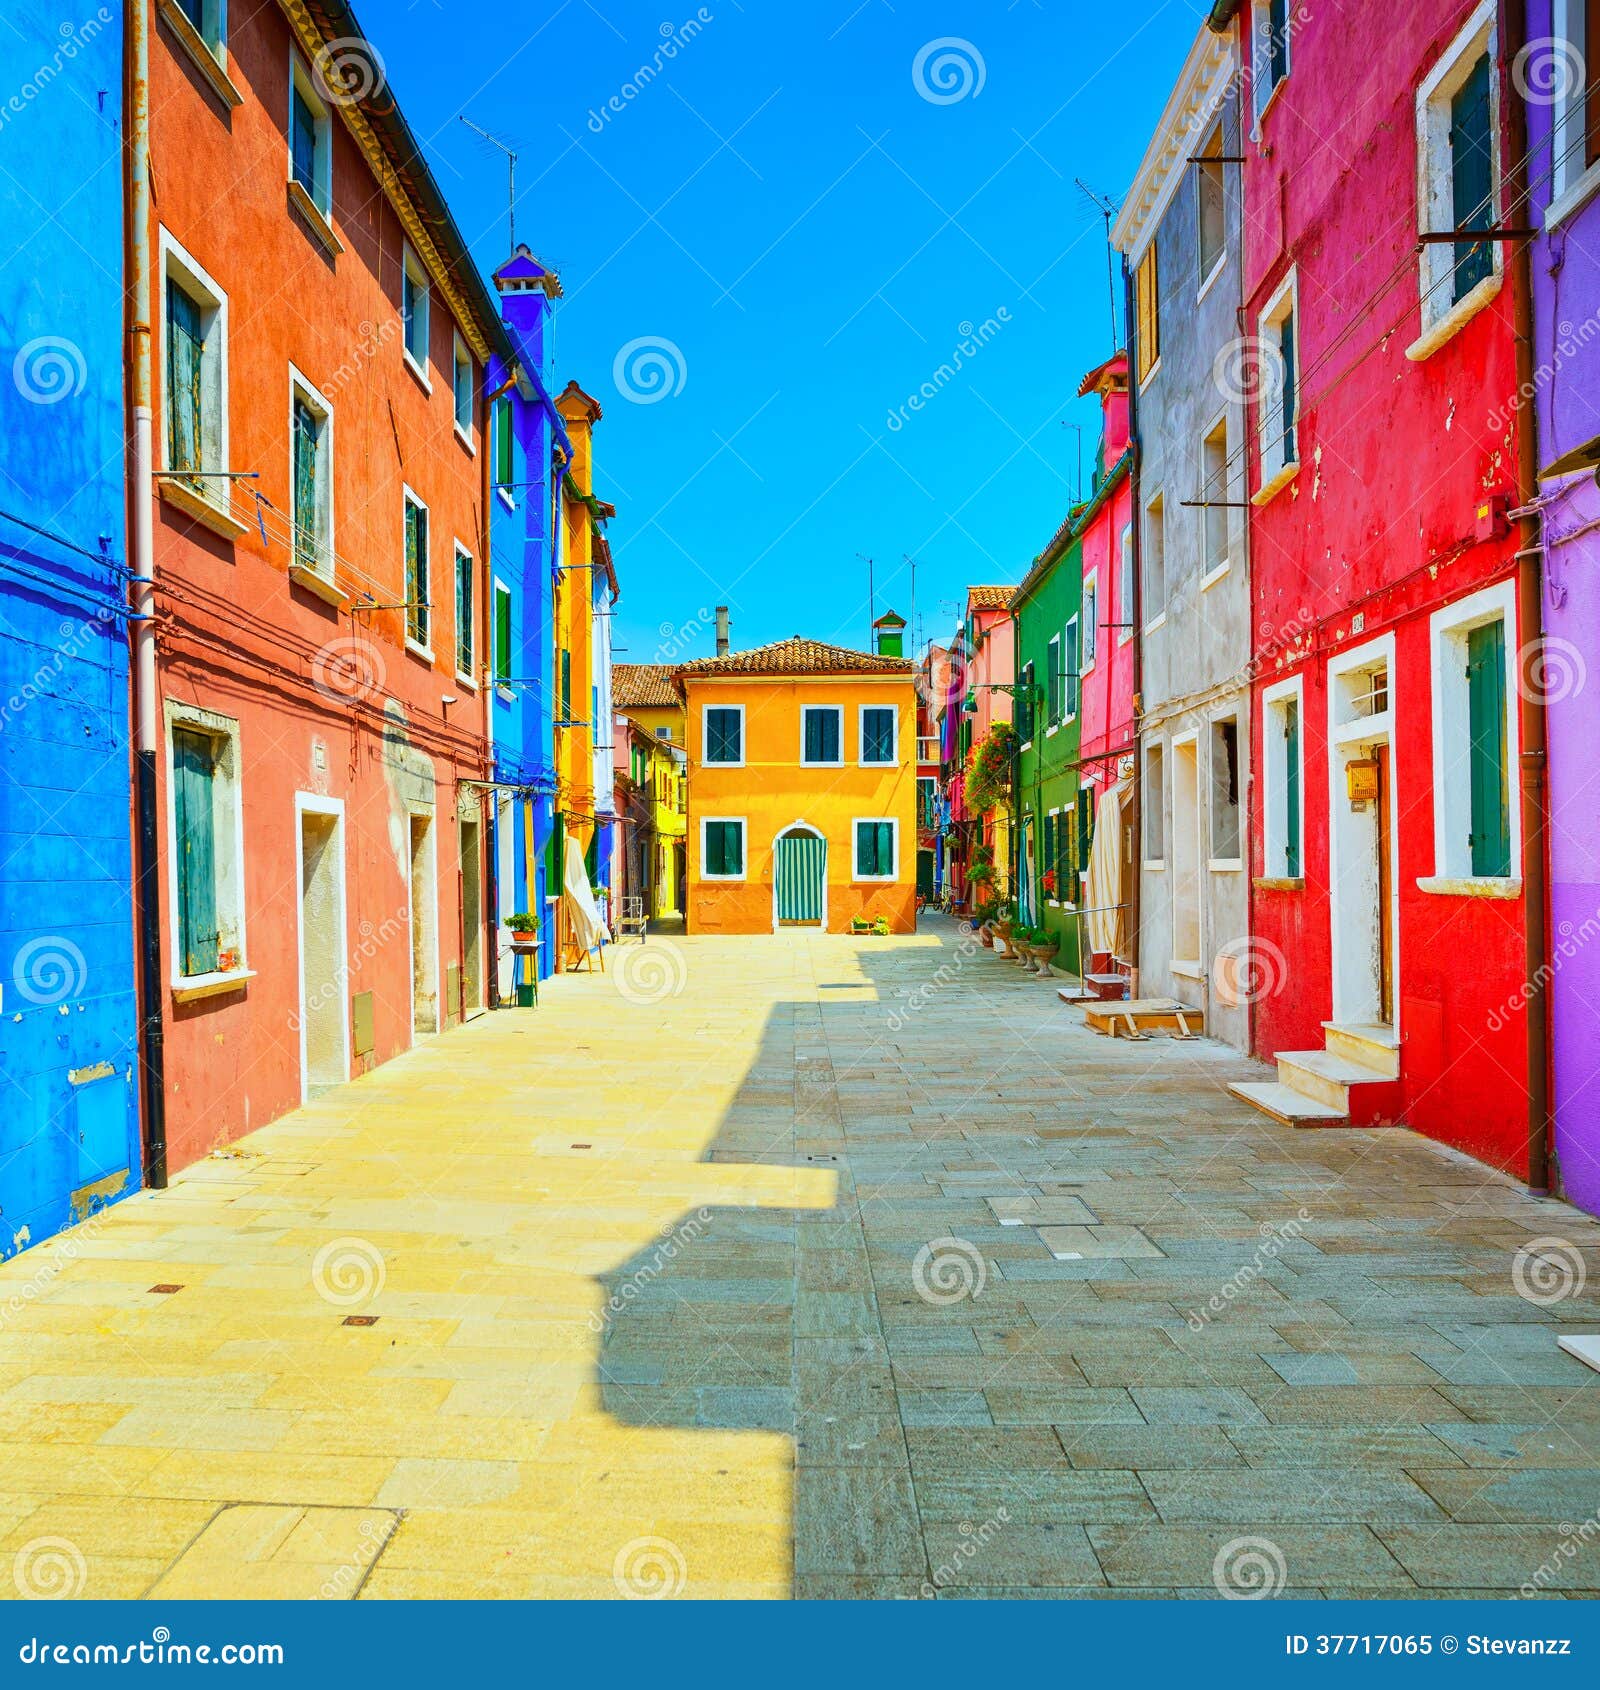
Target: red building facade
point(1387, 842)
point(320, 537)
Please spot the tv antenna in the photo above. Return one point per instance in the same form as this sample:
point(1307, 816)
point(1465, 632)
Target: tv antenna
point(1107, 209)
point(511, 169)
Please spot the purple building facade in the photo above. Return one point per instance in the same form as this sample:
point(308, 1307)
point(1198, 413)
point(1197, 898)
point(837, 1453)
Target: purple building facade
point(1563, 119)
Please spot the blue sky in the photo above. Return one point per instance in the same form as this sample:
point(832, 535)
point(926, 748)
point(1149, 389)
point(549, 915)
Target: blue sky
point(800, 239)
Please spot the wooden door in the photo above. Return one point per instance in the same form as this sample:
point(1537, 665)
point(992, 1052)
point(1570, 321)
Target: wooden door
point(1385, 898)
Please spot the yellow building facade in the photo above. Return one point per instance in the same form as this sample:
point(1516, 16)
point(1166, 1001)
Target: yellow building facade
point(802, 789)
point(655, 819)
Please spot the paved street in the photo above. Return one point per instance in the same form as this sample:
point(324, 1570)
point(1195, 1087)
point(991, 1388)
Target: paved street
point(814, 1266)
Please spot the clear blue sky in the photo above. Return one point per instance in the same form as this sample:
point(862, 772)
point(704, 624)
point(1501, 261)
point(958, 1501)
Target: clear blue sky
point(782, 205)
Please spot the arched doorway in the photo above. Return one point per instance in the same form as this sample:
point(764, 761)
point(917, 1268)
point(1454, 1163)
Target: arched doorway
point(800, 877)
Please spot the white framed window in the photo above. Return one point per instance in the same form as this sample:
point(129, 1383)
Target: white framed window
point(663, 733)
point(194, 365)
point(1153, 805)
point(1211, 222)
point(414, 306)
point(1272, 29)
point(503, 636)
point(1458, 178)
point(205, 836)
point(1476, 822)
point(466, 616)
point(1071, 670)
point(722, 848)
point(310, 141)
point(1216, 489)
point(1091, 620)
point(209, 20)
point(1227, 840)
point(1278, 343)
point(722, 735)
point(419, 577)
point(1283, 779)
point(875, 852)
point(310, 475)
point(462, 384)
point(1155, 563)
point(1053, 689)
point(880, 736)
point(821, 736)
point(1124, 612)
point(1576, 137)
point(501, 425)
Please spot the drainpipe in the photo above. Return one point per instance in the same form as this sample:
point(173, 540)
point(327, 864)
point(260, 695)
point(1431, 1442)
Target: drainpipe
point(1136, 868)
point(485, 618)
point(1530, 628)
point(141, 477)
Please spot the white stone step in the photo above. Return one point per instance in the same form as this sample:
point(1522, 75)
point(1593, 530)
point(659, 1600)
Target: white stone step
point(1585, 1346)
point(1372, 1045)
point(1327, 1075)
point(1291, 1107)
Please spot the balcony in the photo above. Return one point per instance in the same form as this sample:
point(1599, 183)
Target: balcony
point(928, 750)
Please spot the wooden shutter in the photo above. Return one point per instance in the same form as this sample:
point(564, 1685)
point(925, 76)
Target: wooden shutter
point(306, 548)
point(1486, 712)
point(1278, 44)
point(502, 634)
point(566, 685)
point(194, 815)
point(417, 594)
point(464, 616)
point(1289, 353)
point(1471, 175)
point(1147, 305)
point(184, 409)
point(1291, 789)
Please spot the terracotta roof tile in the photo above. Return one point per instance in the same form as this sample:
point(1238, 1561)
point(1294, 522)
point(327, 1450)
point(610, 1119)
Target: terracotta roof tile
point(797, 656)
point(990, 598)
point(643, 686)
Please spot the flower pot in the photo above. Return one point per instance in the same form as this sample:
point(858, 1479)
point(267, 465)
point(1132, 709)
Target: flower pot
point(1044, 956)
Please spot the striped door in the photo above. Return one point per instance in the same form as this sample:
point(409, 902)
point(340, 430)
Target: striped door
point(801, 862)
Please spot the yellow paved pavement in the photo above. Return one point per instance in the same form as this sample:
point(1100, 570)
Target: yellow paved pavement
point(236, 1436)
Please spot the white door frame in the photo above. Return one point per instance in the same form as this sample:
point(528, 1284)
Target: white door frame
point(800, 826)
point(1195, 968)
point(431, 813)
point(314, 804)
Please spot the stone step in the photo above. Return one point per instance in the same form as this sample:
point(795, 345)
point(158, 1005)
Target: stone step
point(1372, 1045)
point(1291, 1107)
point(1327, 1076)
point(1585, 1346)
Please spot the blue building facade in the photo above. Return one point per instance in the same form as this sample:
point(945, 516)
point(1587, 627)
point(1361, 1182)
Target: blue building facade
point(69, 1049)
point(531, 447)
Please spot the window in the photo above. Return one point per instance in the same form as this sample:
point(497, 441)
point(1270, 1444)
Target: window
point(1577, 126)
point(1124, 614)
point(663, 733)
point(195, 348)
point(462, 389)
point(419, 596)
point(1216, 519)
point(1047, 851)
point(1091, 620)
point(1271, 56)
point(502, 634)
point(1279, 387)
point(879, 724)
point(207, 18)
point(311, 475)
point(926, 806)
point(1025, 705)
point(1155, 561)
point(877, 842)
point(1458, 167)
point(724, 735)
point(1225, 842)
point(1053, 683)
point(414, 313)
point(310, 140)
point(565, 684)
point(1210, 219)
point(206, 843)
point(1284, 769)
point(722, 848)
point(466, 617)
point(1474, 726)
point(1147, 307)
point(821, 734)
point(1152, 805)
point(1071, 676)
point(505, 474)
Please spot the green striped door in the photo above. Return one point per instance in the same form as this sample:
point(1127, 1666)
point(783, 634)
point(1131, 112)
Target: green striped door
point(801, 866)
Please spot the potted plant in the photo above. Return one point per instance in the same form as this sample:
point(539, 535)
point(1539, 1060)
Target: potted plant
point(983, 923)
point(1045, 946)
point(524, 929)
point(523, 925)
point(1048, 882)
point(1004, 926)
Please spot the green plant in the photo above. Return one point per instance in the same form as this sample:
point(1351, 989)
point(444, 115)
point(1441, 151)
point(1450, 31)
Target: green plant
point(989, 769)
point(1045, 939)
point(523, 921)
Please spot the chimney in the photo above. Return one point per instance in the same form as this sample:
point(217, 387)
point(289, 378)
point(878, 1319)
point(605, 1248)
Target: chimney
point(722, 630)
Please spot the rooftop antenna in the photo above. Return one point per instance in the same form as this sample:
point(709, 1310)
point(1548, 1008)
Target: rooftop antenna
point(913, 562)
point(511, 167)
point(1107, 209)
point(1077, 429)
point(872, 601)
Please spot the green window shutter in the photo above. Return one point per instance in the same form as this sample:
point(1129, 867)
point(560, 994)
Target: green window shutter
point(723, 736)
point(1085, 824)
point(502, 634)
point(1472, 175)
point(566, 685)
point(417, 594)
point(303, 141)
point(1069, 667)
point(1291, 789)
point(1486, 711)
point(464, 613)
point(306, 549)
point(1025, 704)
point(193, 780)
point(184, 352)
point(1053, 685)
point(1047, 844)
point(874, 848)
point(503, 445)
point(1288, 354)
point(724, 848)
point(877, 736)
